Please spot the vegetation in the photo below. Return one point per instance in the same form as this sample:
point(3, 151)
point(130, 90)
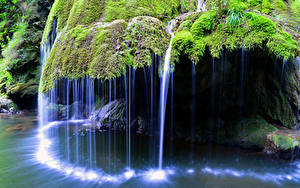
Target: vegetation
point(283, 142)
point(21, 29)
point(104, 50)
point(230, 26)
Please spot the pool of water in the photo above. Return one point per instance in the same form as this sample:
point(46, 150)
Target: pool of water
point(88, 159)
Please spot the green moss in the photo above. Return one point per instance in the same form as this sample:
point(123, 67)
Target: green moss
point(60, 10)
point(204, 24)
point(284, 142)
point(254, 2)
point(85, 12)
point(97, 53)
point(254, 132)
point(108, 48)
point(260, 23)
point(267, 7)
point(295, 7)
point(126, 9)
point(237, 30)
point(282, 45)
point(79, 33)
point(183, 43)
point(146, 35)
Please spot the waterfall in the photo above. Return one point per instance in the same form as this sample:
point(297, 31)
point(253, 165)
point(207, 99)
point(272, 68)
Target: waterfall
point(164, 92)
point(242, 77)
point(45, 52)
point(201, 6)
point(282, 74)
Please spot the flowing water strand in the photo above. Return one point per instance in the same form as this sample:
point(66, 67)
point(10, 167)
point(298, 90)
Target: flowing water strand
point(75, 115)
point(68, 117)
point(164, 92)
point(201, 6)
point(242, 75)
point(282, 74)
point(213, 93)
point(193, 110)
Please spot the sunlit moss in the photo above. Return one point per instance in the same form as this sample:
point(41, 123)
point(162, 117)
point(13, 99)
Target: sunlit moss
point(60, 10)
point(204, 24)
point(146, 35)
point(284, 142)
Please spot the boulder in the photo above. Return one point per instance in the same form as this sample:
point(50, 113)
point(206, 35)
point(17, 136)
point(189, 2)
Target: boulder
point(24, 94)
point(7, 106)
point(284, 144)
point(110, 115)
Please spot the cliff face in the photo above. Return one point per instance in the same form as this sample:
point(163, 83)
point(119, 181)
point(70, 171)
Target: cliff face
point(21, 29)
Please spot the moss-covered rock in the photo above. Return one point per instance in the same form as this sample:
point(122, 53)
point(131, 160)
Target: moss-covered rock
point(103, 50)
point(146, 35)
point(254, 132)
point(7, 106)
point(24, 95)
point(71, 13)
point(232, 27)
point(284, 144)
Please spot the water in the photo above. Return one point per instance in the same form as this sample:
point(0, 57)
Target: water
point(282, 74)
point(201, 6)
point(242, 77)
point(164, 93)
point(213, 166)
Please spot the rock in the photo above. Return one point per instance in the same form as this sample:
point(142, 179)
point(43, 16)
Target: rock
point(284, 144)
point(24, 94)
point(64, 112)
point(7, 106)
point(110, 115)
point(254, 132)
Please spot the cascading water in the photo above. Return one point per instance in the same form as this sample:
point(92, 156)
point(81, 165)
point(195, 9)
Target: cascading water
point(242, 77)
point(201, 6)
point(282, 74)
point(164, 93)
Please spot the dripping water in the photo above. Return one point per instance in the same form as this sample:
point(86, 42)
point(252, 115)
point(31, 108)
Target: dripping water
point(201, 6)
point(242, 76)
point(164, 92)
point(282, 74)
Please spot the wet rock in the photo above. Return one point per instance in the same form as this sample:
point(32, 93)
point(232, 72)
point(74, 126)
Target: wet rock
point(24, 94)
point(284, 144)
point(64, 112)
point(8, 106)
point(111, 115)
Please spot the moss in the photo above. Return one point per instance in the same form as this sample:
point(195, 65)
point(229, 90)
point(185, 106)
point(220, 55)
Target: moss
point(95, 51)
point(146, 35)
point(260, 23)
point(237, 30)
point(295, 7)
point(85, 12)
point(254, 132)
point(126, 9)
point(60, 10)
point(183, 43)
point(204, 24)
point(283, 142)
point(282, 45)
point(79, 33)
point(267, 7)
point(108, 51)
